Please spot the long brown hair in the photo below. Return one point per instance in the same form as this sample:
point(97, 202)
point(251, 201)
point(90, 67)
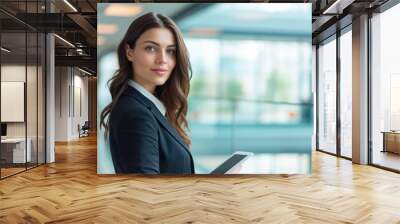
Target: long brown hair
point(175, 90)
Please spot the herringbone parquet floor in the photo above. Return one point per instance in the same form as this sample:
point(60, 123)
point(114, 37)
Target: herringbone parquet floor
point(70, 191)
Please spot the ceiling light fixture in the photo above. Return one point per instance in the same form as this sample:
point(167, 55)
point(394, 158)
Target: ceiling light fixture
point(106, 28)
point(207, 32)
point(84, 71)
point(337, 7)
point(65, 41)
point(5, 49)
point(70, 5)
point(122, 10)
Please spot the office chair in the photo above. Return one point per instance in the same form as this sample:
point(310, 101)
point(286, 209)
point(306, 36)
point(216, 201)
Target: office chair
point(84, 130)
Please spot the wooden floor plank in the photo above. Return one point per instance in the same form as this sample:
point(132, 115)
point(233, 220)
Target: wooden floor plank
point(70, 191)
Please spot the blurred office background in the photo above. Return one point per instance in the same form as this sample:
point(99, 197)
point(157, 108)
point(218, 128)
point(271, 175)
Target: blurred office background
point(251, 87)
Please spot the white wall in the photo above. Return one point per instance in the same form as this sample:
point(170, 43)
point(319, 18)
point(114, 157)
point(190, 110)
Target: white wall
point(80, 100)
point(71, 93)
point(61, 103)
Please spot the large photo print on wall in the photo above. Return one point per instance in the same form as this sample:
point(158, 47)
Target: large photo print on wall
point(217, 88)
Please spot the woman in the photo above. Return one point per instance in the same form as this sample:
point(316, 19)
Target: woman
point(147, 115)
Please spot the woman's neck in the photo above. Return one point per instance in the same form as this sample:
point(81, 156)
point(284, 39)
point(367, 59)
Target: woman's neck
point(150, 88)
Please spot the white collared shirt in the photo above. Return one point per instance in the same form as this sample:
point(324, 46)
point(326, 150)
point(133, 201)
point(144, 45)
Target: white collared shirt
point(160, 106)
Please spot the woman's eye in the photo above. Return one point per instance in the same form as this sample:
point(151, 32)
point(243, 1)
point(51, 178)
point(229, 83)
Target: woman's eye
point(150, 48)
point(171, 52)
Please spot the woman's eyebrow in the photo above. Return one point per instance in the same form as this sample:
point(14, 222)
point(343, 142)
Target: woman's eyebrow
point(155, 43)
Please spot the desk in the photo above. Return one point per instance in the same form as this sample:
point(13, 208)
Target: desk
point(13, 150)
point(391, 141)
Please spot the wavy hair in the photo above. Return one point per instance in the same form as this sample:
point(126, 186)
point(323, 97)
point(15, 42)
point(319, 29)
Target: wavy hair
point(173, 93)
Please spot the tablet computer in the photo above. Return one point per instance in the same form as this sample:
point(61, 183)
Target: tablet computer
point(232, 162)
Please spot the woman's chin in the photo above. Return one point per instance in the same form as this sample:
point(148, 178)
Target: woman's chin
point(159, 82)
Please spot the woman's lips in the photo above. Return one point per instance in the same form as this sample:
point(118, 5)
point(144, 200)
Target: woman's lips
point(160, 71)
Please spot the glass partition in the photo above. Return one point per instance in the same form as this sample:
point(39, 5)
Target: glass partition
point(31, 98)
point(13, 95)
point(22, 88)
point(41, 91)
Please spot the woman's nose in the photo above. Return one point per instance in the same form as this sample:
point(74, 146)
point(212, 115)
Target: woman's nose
point(162, 58)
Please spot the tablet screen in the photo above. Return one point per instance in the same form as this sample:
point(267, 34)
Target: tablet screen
point(229, 164)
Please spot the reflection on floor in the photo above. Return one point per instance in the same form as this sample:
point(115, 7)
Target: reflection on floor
point(10, 169)
point(387, 159)
point(271, 163)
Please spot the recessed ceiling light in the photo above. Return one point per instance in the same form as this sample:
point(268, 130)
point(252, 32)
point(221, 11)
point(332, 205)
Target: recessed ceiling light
point(71, 6)
point(84, 71)
point(122, 10)
point(5, 49)
point(203, 32)
point(337, 7)
point(106, 28)
point(65, 41)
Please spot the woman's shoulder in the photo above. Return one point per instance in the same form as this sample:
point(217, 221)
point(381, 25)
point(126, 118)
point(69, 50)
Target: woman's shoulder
point(129, 115)
point(128, 107)
point(128, 103)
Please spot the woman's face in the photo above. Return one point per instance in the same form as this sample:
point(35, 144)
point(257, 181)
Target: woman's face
point(153, 57)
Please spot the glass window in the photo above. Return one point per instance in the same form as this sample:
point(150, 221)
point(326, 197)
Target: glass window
point(327, 96)
point(386, 89)
point(249, 95)
point(346, 94)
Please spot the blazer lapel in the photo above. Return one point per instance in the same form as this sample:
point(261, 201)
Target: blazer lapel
point(164, 122)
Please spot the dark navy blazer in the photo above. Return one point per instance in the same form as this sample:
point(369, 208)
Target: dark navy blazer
point(143, 141)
